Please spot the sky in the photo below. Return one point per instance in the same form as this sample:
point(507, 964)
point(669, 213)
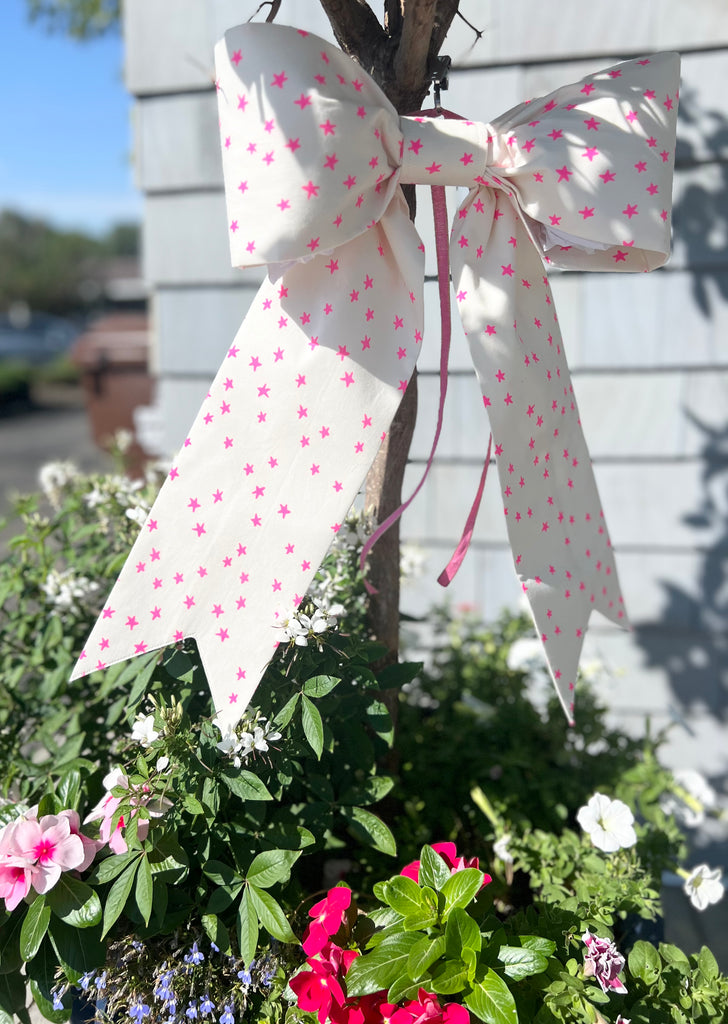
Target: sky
point(65, 126)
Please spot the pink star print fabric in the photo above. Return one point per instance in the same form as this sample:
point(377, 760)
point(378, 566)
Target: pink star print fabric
point(313, 157)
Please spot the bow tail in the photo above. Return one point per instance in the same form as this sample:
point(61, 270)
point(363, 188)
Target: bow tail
point(272, 463)
point(556, 527)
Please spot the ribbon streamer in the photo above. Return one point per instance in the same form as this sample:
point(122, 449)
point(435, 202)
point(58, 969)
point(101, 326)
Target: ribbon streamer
point(313, 157)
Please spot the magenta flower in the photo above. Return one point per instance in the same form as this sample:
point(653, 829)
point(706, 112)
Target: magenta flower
point(16, 871)
point(604, 962)
point(328, 916)
point(449, 854)
point(90, 846)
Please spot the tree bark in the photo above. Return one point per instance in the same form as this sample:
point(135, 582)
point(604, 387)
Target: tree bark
point(397, 55)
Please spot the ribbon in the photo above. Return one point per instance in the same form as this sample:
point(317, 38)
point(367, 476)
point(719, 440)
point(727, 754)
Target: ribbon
point(313, 157)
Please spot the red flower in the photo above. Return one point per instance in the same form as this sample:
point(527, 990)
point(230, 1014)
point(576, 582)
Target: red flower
point(328, 916)
point(320, 988)
point(449, 854)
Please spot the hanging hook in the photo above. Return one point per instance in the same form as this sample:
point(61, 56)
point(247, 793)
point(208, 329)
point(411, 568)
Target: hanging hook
point(439, 70)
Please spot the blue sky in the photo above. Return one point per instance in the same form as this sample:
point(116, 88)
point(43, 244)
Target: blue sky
point(65, 126)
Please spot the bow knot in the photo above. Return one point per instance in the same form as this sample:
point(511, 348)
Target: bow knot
point(313, 156)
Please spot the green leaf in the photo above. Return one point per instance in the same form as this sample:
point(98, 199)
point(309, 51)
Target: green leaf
point(144, 671)
point(449, 978)
point(521, 963)
point(461, 888)
point(399, 674)
point(403, 894)
point(270, 915)
point(144, 890)
point(706, 962)
point(381, 721)
point(313, 727)
point(675, 957)
point(644, 962)
point(68, 787)
point(272, 866)
point(379, 968)
point(221, 873)
point(247, 923)
point(370, 792)
point(192, 804)
point(423, 954)
point(491, 1000)
point(108, 869)
point(75, 902)
point(370, 828)
point(34, 927)
point(12, 996)
point(286, 713)
point(319, 686)
point(118, 895)
point(433, 869)
point(45, 1006)
point(216, 932)
point(10, 956)
point(461, 932)
point(77, 950)
point(538, 944)
point(244, 784)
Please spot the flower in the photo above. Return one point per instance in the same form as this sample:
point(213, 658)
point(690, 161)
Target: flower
point(328, 916)
point(35, 853)
point(603, 961)
point(227, 1016)
point(195, 955)
point(500, 848)
point(704, 886)
point(622, 1020)
point(139, 1010)
point(449, 854)
point(318, 988)
point(143, 730)
point(106, 809)
point(691, 798)
point(609, 823)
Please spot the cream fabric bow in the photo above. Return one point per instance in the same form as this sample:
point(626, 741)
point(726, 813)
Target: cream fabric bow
point(313, 157)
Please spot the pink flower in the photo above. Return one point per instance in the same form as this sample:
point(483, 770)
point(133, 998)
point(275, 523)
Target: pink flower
point(603, 961)
point(16, 870)
point(424, 1009)
point(449, 854)
point(49, 845)
point(90, 846)
point(328, 916)
point(106, 809)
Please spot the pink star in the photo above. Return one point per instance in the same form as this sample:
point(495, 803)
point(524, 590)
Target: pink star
point(305, 441)
point(415, 146)
point(619, 257)
point(564, 173)
point(348, 379)
point(590, 153)
point(433, 168)
point(592, 124)
point(506, 270)
point(279, 80)
point(131, 622)
point(586, 212)
point(236, 57)
point(398, 322)
point(370, 314)
point(228, 442)
point(630, 211)
point(234, 226)
point(350, 181)
point(328, 128)
point(223, 634)
point(338, 486)
point(284, 511)
point(256, 520)
point(311, 190)
point(607, 176)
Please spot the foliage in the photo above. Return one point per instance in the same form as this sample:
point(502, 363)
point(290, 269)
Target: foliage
point(48, 268)
point(181, 859)
point(81, 19)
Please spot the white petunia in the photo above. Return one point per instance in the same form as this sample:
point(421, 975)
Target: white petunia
point(500, 849)
point(704, 886)
point(609, 823)
point(143, 730)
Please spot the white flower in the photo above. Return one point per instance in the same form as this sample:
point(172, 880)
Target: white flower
point(704, 886)
point(54, 476)
point(412, 562)
point(608, 822)
point(689, 808)
point(162, 763)
point(66, 591)
point(143, 730)
point(138, 514)
point(500, 849)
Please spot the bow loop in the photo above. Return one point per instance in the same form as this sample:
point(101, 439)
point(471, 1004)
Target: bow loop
point(590, 166)
point(439, 151)
point(311, 146)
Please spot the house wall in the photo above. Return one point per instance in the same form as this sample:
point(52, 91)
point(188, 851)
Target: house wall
point(656, 418)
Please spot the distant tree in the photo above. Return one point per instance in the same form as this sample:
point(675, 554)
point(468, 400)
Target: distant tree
point(81, 19)
point(48, 268)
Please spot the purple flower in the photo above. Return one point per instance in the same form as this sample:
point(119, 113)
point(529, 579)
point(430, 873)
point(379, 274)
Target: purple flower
point(603, 961)
point(191, 1010)
point(195, 956)
point(206, 1004)
point(227, 1016)
point(58, 1000)
point(138, 1011)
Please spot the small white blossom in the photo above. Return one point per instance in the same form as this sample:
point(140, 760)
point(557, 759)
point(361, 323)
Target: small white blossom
point(143, 730)
point(412, 562)
point(241, 740)
point(54, 477)
point(66, 591)
point(704, 886)
point(609, 823)
point(162, 763)
point(137, 514)
point(500, 849)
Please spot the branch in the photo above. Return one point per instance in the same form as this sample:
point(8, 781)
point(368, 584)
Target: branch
point(446, 11)
point(356, 27)
point(410, 61)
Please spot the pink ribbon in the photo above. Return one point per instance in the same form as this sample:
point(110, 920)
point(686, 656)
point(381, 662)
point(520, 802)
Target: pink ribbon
point(313, 157)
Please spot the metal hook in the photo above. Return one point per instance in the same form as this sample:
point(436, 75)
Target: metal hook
point(438, 71)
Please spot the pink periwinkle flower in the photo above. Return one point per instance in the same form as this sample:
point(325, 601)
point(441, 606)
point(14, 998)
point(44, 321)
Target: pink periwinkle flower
point(449, 854)
point(328, 916)
point(33, 853)
point(424, 1009)
point(604, 962)
point(106, 809)
point(16, 870)
point(319, 989)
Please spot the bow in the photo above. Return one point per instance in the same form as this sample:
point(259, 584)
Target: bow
point(313, 157)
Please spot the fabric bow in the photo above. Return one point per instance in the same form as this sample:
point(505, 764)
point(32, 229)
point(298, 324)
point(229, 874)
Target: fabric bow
point(313, 157)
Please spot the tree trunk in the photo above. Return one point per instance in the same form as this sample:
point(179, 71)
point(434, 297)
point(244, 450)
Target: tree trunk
point(397, 55)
